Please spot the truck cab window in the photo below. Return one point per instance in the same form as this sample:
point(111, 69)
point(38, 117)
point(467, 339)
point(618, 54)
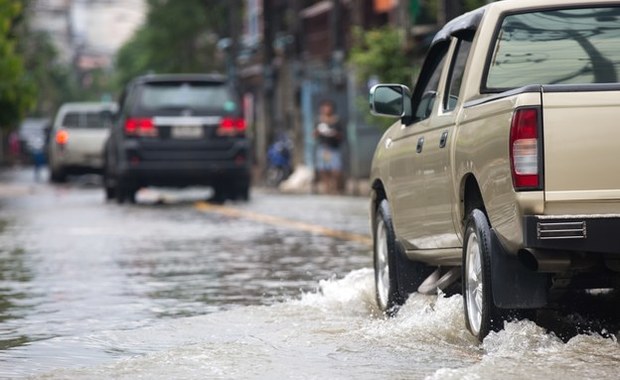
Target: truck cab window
point(426, 90)
point(457, 69)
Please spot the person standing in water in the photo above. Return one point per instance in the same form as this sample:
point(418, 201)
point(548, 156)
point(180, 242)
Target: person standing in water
point(328, 134)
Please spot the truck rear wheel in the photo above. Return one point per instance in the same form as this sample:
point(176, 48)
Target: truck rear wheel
point(395, 276)
point(481, 314)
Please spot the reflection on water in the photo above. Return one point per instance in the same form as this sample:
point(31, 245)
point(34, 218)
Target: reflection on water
point(336, 332)
point(73, 268)
point(15, 297)
point(89, 290)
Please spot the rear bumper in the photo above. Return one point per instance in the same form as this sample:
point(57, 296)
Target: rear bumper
point(594, 233)
point(78, 161)
point(185, 163)
point(185, 173)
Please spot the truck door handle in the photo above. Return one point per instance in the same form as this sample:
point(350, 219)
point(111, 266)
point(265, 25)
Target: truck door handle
point(443, 139)
point(420, 145)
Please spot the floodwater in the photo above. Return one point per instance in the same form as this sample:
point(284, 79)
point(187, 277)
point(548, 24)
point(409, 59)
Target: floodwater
point(91, 290)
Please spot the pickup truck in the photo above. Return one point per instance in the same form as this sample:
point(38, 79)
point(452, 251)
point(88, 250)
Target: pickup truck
point(501, 176)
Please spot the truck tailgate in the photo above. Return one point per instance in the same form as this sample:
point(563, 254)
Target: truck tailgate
point(582, 151)
point(87, 141)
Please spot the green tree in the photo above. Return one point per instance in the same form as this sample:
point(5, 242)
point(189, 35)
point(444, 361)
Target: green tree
point(17, 92)
point(177, 36)
point(55, 82)
point(380, 53)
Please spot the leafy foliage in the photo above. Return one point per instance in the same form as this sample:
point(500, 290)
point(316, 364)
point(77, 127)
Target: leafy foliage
point(178, 36)
point(17, 92)
point(380, 53)
point(55, 82)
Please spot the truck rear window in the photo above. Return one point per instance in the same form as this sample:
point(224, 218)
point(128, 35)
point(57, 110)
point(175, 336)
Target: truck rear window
point(180, 96)
point(88, 119)
point(560, 46)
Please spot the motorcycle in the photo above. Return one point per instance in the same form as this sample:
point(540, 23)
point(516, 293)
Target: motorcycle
point(279, 156)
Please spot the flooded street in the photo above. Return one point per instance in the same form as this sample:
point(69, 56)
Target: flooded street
point(280, 287)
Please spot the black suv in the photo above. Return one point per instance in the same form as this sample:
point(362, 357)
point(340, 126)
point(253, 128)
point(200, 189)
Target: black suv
point(178, 130)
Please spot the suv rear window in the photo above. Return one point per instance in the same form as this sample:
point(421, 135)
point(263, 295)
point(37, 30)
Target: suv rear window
point(560, 46)
point(197, 96)
point(92, 120)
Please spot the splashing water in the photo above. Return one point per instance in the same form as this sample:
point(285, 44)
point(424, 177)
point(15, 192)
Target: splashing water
point(337, 332)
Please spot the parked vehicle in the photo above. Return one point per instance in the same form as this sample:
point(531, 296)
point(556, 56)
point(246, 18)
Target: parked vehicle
point(502, 167)
point(279, 157)
point(178, 130)
point(77, 138)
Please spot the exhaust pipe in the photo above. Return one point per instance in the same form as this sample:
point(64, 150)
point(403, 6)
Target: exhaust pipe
point(544, 261)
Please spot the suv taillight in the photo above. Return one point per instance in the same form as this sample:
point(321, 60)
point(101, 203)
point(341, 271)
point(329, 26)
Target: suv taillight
point(143, 127)
point(525, 155)
point(231, 127)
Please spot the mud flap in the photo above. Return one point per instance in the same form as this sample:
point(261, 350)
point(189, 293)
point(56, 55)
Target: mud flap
point(514, 286)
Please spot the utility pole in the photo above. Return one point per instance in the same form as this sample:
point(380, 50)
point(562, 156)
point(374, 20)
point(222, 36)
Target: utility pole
point(295, 30)
point(264, 127)
point(234, 6)
point(338, 74)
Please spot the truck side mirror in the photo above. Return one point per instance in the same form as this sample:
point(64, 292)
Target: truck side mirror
point(392, 100)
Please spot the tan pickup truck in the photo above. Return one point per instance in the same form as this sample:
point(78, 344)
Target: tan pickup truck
point(502, 173)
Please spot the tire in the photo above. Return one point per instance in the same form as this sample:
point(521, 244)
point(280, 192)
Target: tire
point(242, 189)
point(220, 193)
point(396, 277)
point(110, 189)
point(58, 176)
point(243, 193)
point(125, 192)
point(110, 193)
point(481, 314)
point(130, 194)
point(120, 193)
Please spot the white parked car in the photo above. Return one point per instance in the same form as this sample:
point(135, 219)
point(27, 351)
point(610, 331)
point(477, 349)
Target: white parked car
point(77, 138)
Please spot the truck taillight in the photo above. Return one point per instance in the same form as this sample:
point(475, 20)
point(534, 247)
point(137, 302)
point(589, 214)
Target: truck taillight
point(525, 157)
point(62, 137)
point(140, 127)
point(231, 127)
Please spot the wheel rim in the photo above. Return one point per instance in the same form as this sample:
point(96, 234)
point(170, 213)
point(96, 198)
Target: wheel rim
point(382, 268)
point(474, 290)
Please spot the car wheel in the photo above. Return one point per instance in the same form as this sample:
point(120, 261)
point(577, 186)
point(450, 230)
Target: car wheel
point(243, 192)
point(221, 192)
point(481, 314)
point(395, 275)
point(125, 192)
point(58, 175)
point(130, 194)
point(120, 195)
point(108, 185)
point(120, 191)
point(110, 193)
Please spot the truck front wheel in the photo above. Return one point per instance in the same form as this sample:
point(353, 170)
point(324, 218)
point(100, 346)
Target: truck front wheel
point(481, 314)
point(395, 276)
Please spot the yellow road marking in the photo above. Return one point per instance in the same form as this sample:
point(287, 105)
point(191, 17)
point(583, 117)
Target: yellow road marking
point(282, 222)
